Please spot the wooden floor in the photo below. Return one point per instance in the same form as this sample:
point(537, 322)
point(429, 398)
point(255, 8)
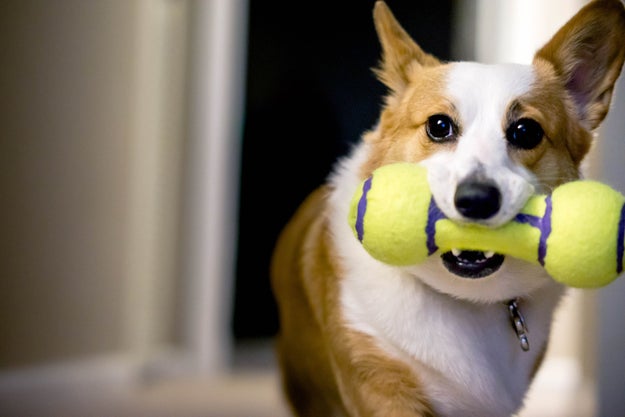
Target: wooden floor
point(249, 391)
point(245, 395)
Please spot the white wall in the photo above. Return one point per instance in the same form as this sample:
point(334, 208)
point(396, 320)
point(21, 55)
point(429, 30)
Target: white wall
point(611, 299)
point(217, 88)
point(66, 78)
point(109, 245)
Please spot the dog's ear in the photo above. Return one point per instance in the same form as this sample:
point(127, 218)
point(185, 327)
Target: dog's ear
point(587, 54)
point(400, 54)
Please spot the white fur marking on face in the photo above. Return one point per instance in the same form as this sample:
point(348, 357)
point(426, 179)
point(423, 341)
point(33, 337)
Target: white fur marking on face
point(481, 95)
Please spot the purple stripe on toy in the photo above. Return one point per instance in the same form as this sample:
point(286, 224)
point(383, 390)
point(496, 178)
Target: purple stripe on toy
point(530, 219)
point(620, 243)
point(434, 214)
point(362, 208)
point(545, 231)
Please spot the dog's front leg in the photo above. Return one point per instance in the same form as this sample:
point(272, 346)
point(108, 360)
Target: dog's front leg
point(372, 383)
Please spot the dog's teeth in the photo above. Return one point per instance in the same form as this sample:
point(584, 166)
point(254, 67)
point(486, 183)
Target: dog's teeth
point(456, 252)
point(489, 254)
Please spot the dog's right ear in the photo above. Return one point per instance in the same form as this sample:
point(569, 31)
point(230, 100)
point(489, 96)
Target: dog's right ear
point(587, 54)
point(401, 56)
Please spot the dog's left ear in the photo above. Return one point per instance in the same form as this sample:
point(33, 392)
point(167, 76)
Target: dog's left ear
point(587, 54)
point(400, 53)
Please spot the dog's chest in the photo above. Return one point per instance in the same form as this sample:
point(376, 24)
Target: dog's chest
point(466, 357)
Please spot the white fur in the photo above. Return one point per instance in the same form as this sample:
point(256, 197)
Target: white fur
point(482, 146)
point(430, 318)
point(481, 95)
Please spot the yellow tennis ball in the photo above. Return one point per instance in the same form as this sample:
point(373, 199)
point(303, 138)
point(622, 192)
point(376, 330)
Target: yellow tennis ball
point(576, 233)
point(387, 214)
point(585, 246)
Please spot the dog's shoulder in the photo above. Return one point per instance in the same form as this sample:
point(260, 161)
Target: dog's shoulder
point(296, 232)
point(302, 249)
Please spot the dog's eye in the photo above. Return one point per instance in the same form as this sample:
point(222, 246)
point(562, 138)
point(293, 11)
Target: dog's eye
point(525, 133)
point(440, 128)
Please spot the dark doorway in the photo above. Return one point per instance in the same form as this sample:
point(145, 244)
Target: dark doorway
point(310, 94)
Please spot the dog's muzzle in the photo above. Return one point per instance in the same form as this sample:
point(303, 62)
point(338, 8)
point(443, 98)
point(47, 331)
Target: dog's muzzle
point(472, 264)
point(477, 199)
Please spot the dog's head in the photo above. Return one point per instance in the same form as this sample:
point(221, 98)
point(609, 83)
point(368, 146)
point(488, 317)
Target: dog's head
point(492, 135)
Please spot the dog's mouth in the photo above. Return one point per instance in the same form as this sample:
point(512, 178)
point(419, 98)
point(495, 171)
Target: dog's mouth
point(472, 264)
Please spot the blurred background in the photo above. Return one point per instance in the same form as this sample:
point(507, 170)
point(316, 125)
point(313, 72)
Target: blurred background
point(151, 151)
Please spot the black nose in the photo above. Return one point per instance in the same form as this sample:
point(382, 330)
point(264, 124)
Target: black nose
point(477, 199)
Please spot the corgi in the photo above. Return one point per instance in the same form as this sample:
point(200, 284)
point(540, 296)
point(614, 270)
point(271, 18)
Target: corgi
point(448, 337)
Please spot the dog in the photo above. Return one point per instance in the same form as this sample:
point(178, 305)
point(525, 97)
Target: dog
point(361, 338)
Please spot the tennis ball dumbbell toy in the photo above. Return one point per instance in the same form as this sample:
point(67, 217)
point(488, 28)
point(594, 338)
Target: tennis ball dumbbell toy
point(576, 233)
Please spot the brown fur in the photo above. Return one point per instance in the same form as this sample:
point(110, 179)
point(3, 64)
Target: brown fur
point(587, 55)
point(331, 370)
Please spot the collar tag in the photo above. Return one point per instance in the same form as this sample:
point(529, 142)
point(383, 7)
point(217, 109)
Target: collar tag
point(518, 323)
